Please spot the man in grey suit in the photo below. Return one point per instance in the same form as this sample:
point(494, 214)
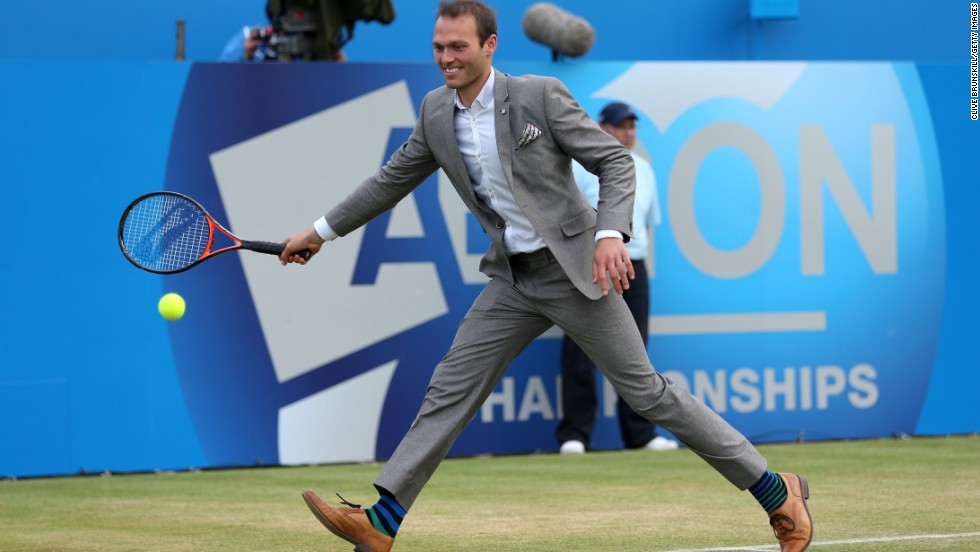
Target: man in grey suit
point(506, 143)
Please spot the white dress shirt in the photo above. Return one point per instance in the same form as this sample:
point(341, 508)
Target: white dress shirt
point(477, 138)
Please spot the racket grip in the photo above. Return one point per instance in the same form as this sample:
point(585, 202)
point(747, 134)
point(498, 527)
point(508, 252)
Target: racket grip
point(272, 248)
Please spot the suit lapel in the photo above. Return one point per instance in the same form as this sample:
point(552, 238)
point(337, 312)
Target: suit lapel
point(454, 167)
point(501, 119)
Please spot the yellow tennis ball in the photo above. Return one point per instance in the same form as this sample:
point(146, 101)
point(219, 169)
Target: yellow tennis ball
point(171, 306)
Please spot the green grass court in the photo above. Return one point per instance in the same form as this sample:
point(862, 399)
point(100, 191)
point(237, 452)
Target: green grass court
point(876, 495)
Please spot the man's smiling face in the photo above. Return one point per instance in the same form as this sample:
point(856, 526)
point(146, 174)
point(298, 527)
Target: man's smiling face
point(465, 63)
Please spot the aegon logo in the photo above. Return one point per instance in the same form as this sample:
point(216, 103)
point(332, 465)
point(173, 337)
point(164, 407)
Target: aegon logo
point(799, 269)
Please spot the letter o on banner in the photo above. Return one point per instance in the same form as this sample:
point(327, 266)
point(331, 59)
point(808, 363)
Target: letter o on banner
point(683, 219)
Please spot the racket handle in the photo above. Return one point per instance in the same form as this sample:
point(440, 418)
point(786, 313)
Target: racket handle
point(272, 248)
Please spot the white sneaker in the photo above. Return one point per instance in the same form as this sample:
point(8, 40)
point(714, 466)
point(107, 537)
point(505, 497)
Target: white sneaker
point(660, 443)
point(572, 447)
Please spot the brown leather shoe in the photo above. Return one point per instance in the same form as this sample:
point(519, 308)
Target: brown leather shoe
point(350, 524)
point(791, 522)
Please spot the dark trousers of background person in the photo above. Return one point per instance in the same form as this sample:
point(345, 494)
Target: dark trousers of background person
point(578, 382)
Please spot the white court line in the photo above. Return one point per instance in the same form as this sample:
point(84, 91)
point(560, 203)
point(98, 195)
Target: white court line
point(770, 547)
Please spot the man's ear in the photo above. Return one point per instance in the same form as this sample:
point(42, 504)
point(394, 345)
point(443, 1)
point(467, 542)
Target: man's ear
point(490, 46)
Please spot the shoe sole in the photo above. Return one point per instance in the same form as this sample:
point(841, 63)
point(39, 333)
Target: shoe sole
point(325, 521)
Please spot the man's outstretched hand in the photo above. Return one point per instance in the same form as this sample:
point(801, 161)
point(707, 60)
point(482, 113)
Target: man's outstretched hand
point(612, 258)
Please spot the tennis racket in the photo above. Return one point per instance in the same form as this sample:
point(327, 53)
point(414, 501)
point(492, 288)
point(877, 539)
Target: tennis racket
point(168, 232)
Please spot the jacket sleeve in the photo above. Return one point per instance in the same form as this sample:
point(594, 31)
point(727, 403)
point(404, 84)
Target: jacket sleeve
point(599, 153)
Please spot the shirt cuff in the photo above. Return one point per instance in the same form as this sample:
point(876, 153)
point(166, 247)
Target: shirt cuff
point(608, 234)
point(323, 229)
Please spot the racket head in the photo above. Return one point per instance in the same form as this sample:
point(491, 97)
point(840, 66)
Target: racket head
point(165, 232)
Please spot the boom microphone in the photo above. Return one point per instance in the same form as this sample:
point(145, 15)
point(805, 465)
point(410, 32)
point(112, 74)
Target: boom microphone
point(566, 34)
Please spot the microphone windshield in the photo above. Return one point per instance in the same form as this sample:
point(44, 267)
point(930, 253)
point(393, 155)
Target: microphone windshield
point(566, 34)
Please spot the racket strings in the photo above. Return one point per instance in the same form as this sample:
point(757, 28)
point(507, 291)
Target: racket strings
point(166, 233)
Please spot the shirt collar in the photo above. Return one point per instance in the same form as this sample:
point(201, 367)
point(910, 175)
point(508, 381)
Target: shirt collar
point(484, 98)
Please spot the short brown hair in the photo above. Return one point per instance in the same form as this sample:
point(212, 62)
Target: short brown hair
point(486, 18)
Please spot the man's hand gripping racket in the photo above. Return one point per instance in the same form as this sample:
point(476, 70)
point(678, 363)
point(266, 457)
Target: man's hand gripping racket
point(168, 232)
point(308, 241)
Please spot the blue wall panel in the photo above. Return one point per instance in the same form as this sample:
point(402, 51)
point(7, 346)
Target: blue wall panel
point(625, 30)
point(80, 141)
point(952, 405)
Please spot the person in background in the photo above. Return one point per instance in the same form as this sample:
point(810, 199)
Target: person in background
point(244, 45)
point(252, 44)
point(578, 382)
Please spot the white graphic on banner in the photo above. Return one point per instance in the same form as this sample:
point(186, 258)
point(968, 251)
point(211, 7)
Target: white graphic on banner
point(339, 424)
point(663, 91)
point(279, 181)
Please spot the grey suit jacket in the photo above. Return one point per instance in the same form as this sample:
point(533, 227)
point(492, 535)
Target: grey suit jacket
point(538, 172)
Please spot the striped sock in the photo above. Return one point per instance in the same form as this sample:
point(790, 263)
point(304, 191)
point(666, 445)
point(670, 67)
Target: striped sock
point(770, 491)
point(387, 515)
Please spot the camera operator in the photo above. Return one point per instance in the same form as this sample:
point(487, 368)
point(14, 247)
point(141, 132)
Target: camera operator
point(306, 30)
point(260, 43)
point(298, 30)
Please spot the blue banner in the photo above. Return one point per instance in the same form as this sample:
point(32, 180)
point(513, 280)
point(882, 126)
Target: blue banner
point(812, 278)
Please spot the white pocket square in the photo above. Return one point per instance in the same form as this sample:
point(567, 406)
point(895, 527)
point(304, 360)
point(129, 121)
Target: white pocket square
point(530, 134)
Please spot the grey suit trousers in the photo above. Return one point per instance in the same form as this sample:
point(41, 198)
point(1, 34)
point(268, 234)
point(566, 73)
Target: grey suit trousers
point(503, 320)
